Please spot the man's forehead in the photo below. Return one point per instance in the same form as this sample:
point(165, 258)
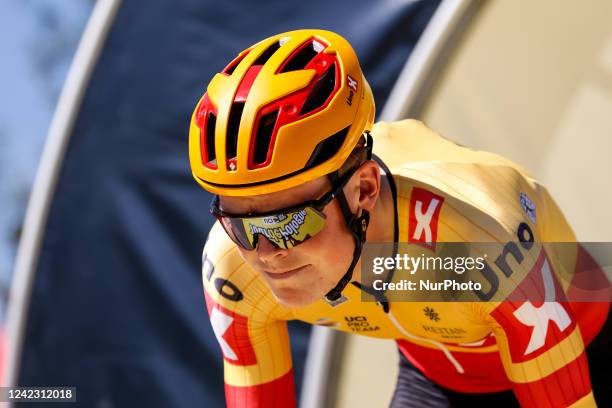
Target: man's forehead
point(280, 199)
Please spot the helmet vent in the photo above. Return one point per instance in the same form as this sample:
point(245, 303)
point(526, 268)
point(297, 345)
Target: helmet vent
point(264, 135)
point(327, 148)
point(265, 56)
point(229, 70)
point(301, 58)
point(321, 91)
point(231, 140)
point(210, 138)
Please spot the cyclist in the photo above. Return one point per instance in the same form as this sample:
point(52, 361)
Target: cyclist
point(284, 138)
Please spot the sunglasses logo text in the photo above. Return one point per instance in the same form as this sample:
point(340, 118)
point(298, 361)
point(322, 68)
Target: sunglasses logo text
point(274, 219)
point(282, 232)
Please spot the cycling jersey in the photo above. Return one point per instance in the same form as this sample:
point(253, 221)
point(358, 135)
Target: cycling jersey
point(442, 192)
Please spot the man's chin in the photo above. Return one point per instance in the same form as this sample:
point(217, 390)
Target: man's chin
point(295, 298)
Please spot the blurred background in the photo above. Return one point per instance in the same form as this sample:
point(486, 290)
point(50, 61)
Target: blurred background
point(100, 255)
point(36, 56)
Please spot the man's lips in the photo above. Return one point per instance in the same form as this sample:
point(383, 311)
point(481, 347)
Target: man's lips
point(285, 274)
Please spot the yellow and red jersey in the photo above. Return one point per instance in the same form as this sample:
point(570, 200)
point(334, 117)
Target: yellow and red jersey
point(444, 193)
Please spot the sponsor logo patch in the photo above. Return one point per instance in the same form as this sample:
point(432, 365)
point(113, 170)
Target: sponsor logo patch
point(432, 314)
point(540, 324)
point(360, 324)
point(351, 83)
point(232, 332)
point(445, 332)
point(423, 220)
point(528, 206)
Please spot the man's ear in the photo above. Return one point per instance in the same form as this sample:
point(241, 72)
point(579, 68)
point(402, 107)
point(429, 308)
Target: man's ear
point(364, 187)
point(369, 185)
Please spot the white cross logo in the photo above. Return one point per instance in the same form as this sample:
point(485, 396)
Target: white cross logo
point(538, 317)
point(424, 219)
point(220, 324)
point(351, 83)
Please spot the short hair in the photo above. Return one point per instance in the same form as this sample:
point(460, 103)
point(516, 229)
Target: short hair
point(357, 157)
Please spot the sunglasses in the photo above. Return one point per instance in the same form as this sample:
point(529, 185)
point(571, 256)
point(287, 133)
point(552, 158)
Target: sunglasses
point(284, 228)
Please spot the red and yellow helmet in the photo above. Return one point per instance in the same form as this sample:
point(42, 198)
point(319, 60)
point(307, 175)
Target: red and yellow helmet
point(287, 110)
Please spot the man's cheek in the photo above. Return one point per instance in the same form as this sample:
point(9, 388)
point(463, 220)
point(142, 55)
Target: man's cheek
point(244, 254)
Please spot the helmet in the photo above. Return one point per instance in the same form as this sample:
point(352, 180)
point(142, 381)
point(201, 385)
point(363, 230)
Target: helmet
point(285, 111)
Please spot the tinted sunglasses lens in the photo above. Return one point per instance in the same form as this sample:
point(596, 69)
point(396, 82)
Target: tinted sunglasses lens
point(235, 230)
point(284, 230)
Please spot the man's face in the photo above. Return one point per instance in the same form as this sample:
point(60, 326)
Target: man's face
point(304, 274)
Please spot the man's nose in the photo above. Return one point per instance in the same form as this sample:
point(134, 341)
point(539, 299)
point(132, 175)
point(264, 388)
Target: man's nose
point(268, 252)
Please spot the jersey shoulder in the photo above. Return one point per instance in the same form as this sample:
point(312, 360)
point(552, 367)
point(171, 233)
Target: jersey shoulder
point(481, 196)
point(231, 283)
point(411, 141)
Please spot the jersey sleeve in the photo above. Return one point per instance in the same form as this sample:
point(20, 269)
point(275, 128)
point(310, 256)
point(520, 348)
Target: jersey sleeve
point(541, 344)
point(250, 327)
point(543, 354)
